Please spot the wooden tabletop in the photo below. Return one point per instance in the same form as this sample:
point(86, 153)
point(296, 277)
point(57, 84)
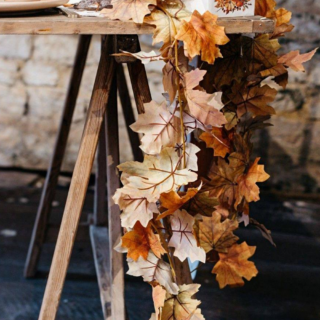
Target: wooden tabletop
point(60, 24)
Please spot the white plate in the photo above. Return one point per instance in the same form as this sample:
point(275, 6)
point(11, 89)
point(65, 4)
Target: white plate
point(30, 5)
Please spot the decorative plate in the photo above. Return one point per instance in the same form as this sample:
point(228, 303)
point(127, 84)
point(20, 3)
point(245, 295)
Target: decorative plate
point(11, 6)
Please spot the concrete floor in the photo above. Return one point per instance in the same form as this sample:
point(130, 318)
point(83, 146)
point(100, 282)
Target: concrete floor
point(287, 287)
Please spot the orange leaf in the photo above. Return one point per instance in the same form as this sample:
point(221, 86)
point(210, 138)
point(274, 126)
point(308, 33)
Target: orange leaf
point(172, 201)
point(140, 241)
point(218, 141)
point(202, 36)
point(234, 265)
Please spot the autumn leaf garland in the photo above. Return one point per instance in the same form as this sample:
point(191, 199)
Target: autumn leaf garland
point(170, 212)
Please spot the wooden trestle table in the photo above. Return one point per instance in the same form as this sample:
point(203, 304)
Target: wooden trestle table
point(101, 129)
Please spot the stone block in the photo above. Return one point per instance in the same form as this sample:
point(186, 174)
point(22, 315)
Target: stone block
point(16, 47)
point(40, 74)
point(9, 71)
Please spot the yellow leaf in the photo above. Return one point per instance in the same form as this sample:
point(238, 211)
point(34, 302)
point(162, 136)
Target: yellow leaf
point(234, 265)
point(202, 36)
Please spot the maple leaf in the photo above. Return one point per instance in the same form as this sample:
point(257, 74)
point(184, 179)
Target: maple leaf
point(234, 265)
point(204, 107)
point(159, 297)
point(202, 203)
point(223, 183)
point(144, 57)
point(295, 60)
point(170, 74)
point(267, 8)
point(183, 239)
point(135, 207)
point(182, 306)
point(251, 99)
point(157, 175)
point(242, 57)
point(216, 235)
point(279, 72)
point(202, 35)
point(167, 21)
point(160, 128)
point(218, 141)
point(173, 201)
point(125, 10)
point(247, 187)
point(153, 269)
point(191, 151)
point(140, 241)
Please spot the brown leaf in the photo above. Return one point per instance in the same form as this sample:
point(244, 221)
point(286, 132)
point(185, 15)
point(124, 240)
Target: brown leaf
point(216, 235)
point(202, 203)
point(264, 231)
point(202, 35)
point(234, 265)
point(140, 241)
point(125, 10)
point(251, 99)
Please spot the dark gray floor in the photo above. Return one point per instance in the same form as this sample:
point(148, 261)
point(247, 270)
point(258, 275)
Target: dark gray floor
point(287, 288)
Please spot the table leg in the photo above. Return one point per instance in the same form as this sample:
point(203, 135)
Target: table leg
point(79, 183)
point(48, 193)
point(113, 183)
point(128, 113)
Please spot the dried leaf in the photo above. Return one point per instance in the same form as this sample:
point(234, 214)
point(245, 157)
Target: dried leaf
point(202, 203)
point(202, 35)
point(182, 306)
point(251, 99)
point(183, 239)
point(173, 201)
point(153, 269)
point(234, 265)
point(204, 107)
point(144, 57)
point(140, 241)
point(295, 60)
point(159, 297)
point(264, 231)
point(135, 208)
point(218, 140)
point(161, 129)
point(125, 10)
point(167, 24)
point(157, 175)
point(216, 235)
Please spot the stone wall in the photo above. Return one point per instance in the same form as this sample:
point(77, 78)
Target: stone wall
point(34, 73)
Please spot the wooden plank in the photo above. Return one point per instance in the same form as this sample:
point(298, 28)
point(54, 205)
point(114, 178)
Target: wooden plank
point(100, 217)
point(113, 183)
point(128, 113)
point(79, 183)
point(54, 169)
point(100, 244)
point(58, 24)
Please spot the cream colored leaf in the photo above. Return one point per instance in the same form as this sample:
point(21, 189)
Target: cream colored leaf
point(153, 269)
point(160, 128)
point(134, 208)
point(144, 57)
point(160, 175)
point(183, 239)
point(182, 306)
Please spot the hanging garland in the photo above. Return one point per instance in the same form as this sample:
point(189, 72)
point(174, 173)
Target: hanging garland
point(173, 210)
